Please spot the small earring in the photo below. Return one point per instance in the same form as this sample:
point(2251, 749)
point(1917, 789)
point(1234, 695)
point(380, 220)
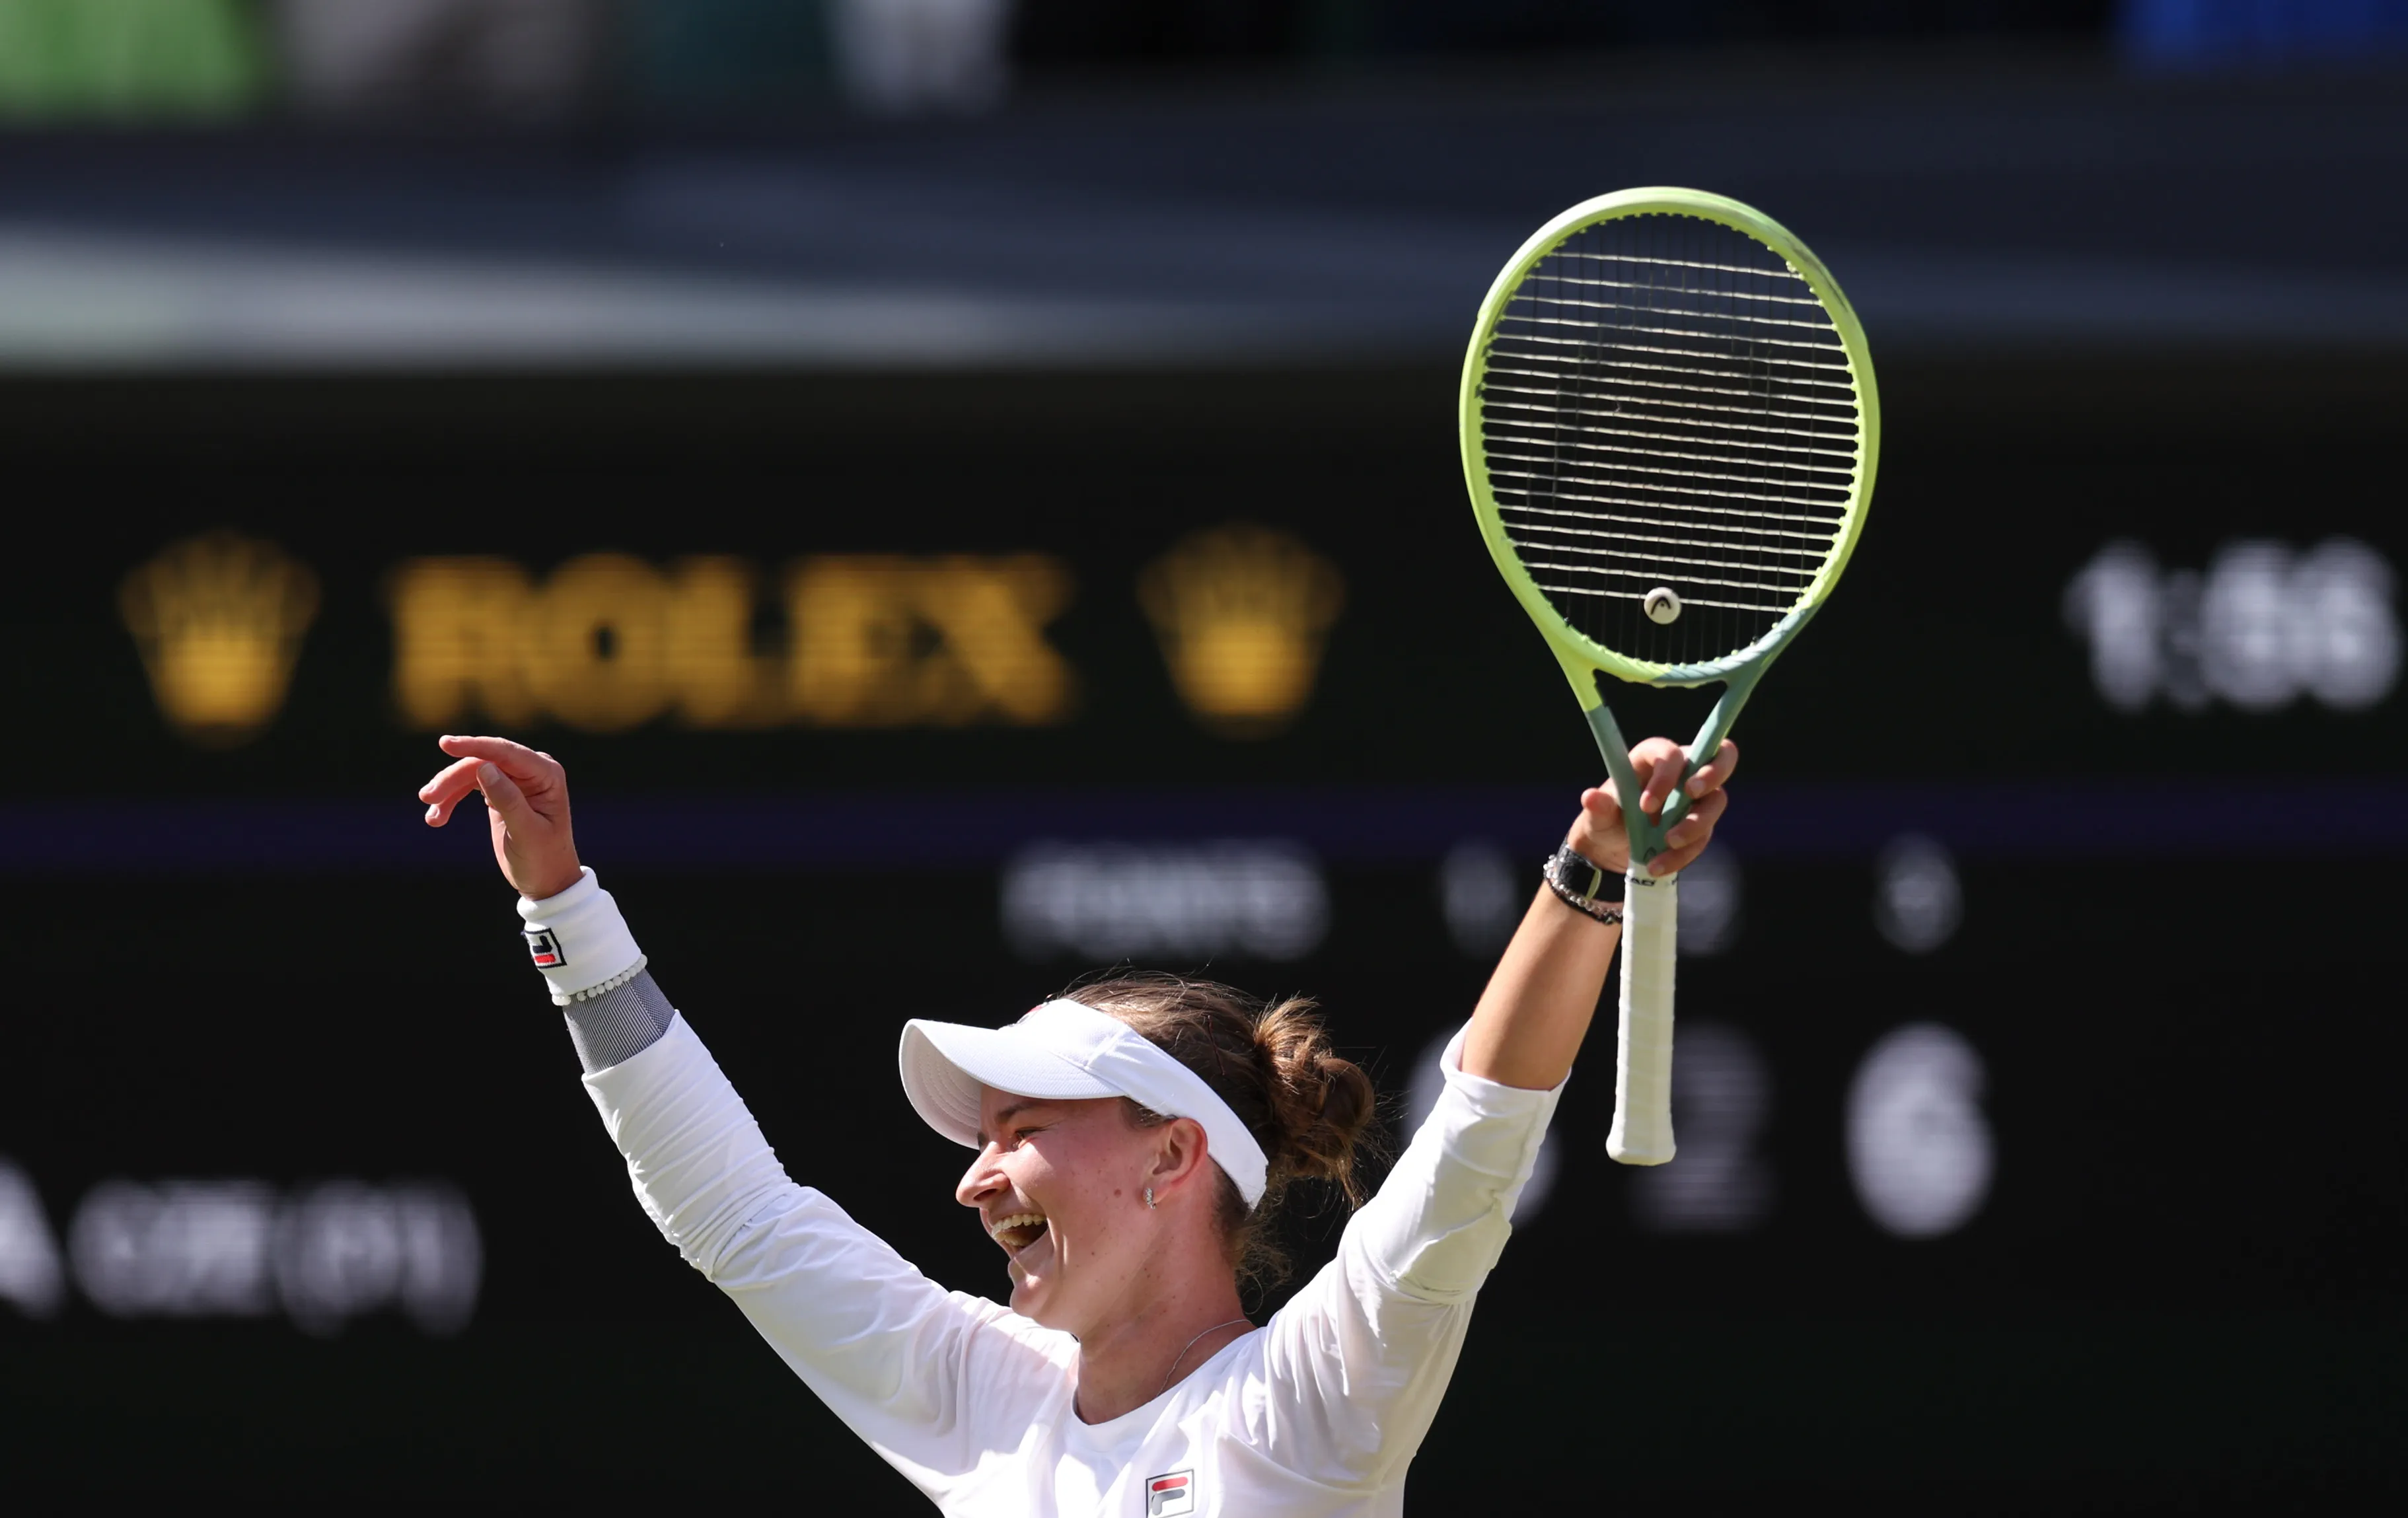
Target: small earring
point(1149, 1197)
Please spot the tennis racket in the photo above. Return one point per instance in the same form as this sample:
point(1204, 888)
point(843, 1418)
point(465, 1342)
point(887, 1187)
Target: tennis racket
point(1668, 429)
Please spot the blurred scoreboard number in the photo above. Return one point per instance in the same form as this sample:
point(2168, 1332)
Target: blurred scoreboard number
point(1920, 1151)
point(2261, 628)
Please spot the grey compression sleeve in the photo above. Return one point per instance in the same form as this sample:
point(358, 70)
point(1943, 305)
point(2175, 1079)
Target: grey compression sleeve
point(620, 1023)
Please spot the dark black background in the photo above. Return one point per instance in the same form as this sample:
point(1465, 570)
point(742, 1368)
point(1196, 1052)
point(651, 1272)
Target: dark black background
point(2184, 1285)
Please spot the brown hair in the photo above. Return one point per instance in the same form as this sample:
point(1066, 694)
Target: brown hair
point(1272, 1063)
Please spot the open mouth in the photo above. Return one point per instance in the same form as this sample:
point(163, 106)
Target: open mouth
point(1018, 1231)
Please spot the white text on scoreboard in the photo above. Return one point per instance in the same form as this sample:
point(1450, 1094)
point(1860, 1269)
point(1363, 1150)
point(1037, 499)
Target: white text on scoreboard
point(2263, 627)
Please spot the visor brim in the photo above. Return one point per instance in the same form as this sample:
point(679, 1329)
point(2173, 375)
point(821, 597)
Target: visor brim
point(947, 1066)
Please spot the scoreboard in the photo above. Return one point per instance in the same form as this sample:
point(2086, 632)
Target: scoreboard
point(2037, 999)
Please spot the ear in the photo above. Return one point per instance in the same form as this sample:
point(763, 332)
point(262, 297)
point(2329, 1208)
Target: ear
point(1180, 1154)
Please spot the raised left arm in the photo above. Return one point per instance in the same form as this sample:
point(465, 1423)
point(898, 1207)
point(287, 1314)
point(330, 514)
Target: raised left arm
point(1537, 1007)
point(1360, 1357)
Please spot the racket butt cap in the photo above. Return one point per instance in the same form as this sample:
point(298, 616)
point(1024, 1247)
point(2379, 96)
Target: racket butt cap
point(1620, 1150)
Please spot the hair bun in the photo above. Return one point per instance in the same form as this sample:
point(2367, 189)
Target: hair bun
point(1324, 1101)
point(1348, 1100)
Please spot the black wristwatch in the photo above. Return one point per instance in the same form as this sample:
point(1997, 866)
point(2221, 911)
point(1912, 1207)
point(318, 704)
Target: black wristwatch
point(1583, 885)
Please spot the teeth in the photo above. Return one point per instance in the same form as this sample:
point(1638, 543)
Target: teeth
point(1015, 1223)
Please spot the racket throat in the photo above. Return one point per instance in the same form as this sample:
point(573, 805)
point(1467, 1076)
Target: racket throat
point(1647, 836)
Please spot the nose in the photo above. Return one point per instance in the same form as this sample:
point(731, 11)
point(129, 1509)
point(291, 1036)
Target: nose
point(982, 1180)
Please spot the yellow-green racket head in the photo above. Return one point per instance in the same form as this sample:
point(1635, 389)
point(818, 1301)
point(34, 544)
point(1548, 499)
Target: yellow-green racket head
point(1669, 428)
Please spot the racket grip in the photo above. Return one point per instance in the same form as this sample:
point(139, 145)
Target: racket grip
point(1642, 1080)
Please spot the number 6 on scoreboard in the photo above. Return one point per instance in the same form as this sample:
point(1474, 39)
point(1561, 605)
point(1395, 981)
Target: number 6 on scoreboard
point(1669, 428)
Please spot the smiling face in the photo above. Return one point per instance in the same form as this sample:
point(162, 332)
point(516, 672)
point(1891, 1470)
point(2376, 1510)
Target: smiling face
point(1061, 1186)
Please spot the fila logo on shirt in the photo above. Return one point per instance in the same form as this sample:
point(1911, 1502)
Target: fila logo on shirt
point(544, 946)
point(1166, 1495)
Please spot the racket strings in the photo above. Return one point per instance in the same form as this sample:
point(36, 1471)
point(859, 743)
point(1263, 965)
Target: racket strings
point(1685, 398)
point(1576, 318)
point(1662, 352)
point(1667, 403)
point(1805, 304)
point(1835, 459)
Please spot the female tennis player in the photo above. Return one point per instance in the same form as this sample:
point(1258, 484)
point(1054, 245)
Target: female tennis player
point(1132, 1139)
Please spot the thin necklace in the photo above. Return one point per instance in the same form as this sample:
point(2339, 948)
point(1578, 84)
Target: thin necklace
point(1191, 1344)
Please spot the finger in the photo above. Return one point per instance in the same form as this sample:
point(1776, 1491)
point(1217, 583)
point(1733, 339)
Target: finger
point(1675, 859)
point(450, 785)
point(1699, 825)
point(1599, 802)
point(503, 796)
point(1684, 843)
point(516, 760)
point(1660, 762)
point(538, 776)
point(1714, 776)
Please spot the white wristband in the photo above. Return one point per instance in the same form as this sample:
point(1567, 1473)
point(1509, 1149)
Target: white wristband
point(579, 942)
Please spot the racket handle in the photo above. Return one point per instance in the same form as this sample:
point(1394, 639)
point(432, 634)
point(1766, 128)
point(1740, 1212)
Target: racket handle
point(1642, 1080)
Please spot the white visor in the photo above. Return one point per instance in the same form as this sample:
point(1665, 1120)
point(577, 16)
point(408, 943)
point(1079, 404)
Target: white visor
point(1066, 1049)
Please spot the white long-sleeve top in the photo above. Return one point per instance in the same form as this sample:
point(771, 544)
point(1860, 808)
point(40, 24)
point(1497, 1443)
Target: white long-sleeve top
point(1318, 1412)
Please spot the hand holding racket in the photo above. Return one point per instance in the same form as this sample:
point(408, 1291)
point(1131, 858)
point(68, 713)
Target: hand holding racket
point(1661, 766)
point(1669, 428)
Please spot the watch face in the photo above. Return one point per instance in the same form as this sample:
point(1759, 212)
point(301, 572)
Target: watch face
point(1571, 875)
point(1574, 873)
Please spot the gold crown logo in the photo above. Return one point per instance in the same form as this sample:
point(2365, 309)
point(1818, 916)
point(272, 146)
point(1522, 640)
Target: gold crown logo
point(219, 621)
point(1242, 611)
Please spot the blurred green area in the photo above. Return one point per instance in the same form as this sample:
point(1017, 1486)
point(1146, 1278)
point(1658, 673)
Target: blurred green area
point(133, 60)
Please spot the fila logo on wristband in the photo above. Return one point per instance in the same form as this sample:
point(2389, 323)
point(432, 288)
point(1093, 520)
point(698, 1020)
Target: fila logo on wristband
point(544, 945)
point(1171, 1493)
